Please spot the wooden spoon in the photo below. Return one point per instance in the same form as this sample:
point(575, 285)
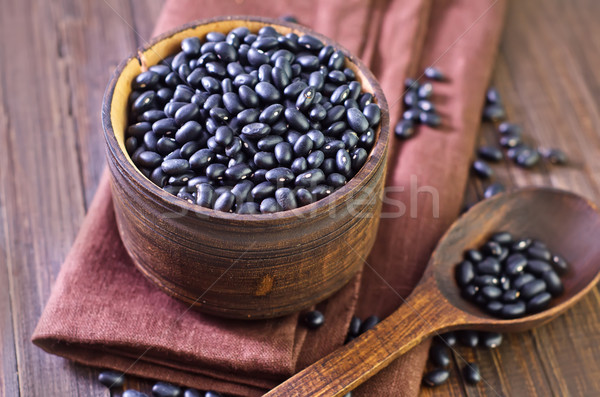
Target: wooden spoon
point(567, 223)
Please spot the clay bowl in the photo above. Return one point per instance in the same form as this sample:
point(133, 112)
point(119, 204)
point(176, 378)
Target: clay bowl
point(241, 266)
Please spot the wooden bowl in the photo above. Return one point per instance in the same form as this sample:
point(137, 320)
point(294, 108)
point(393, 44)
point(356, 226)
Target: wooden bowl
point(231, 265)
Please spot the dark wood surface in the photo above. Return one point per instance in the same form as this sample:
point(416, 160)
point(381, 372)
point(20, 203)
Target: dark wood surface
point(55, 61)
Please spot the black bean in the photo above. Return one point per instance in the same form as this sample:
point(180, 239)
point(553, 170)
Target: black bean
point(510, 295)
point(494, 113)
point(163, 389)
point(216, 171)
point(470, 291)
point(211, 393)
point(515, 264)
point(175, 154)
point(148, 159)
point(205, 196)
point(485, 279)
point(491, 340)
point(284, 153)
point(256, 130)
point(265, 160)
point(482, 169)
point(539, 302)
point(175, 166)
point(490, 153)
point(304, 197)
point(271, 114)
point(464, 273)
point(267, 92)
point(189, 131)
point(336, 180)
point(305, 98)
point(527, 158)
point(509, 128)
point(310, 178)
point(404, 129)
point(537, 267)
point(492, 248)
point(532, 288)
point(269, 206)
point(139, 129)
point(448, 338)
point(357, 120)
point(242, 190)
point(511, 141)
point(280, 176)
point(111, 379)
point(554, 156)
point(248, 96)
point(494, 307)
point(340, 94)
point(238, 172)
point(165, 126)
point(313, 319)
point(473, 255)
point(225, 202)
point(248, 207)
point(159, 177)
point(493, 189)
point(468, 338)
point(471, 373)
point(336, 60)
point(201, 158)
point(489, 265)
point(181, 179)
point(369, 323)
point(303, 146)
point(490, 292)
point(553, 283)
point(430, 119)
point(263, 190)
point(521, 245)
point(285, 198)
point(343, 162)
point(539, 253)
point(559, 264)
point(144, 102)
point(513, 310)
point(439, 355)
point(523, 279)
point(193, 393)
point(436, 377)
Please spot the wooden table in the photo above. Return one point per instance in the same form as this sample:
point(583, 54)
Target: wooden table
point(55, 60)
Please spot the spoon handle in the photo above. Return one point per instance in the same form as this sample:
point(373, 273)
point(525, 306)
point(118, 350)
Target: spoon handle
point(419, 317)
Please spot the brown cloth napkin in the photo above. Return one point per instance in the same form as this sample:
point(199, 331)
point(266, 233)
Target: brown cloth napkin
point(103, 312)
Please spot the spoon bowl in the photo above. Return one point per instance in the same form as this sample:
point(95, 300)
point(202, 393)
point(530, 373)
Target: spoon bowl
point(567, 223)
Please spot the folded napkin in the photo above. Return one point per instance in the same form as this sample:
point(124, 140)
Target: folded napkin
point(103, 312)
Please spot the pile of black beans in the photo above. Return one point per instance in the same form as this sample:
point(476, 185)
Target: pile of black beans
point(419, 109)
point(251, 123)
point(440, 357)
point(116, 380)
point(511, 139)
point(510, 278)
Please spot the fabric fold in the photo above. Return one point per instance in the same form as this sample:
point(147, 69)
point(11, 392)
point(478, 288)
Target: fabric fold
point(103, 312)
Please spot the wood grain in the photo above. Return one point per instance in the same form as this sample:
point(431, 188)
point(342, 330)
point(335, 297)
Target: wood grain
point(52, 80)
point(547, 73)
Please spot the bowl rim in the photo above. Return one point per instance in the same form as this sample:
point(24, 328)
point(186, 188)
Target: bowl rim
point(310, 211)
